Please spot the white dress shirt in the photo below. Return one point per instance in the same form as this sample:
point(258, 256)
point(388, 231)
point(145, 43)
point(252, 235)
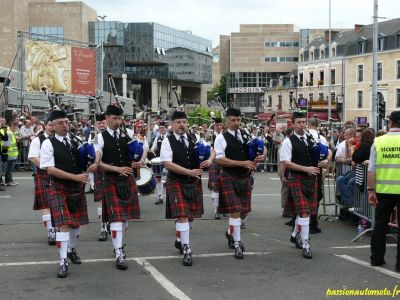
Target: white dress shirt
point(321, 138)
point(154, 147)
point(220, 143)
point(341, 150)
point(166, 151)
point(47, 152)
point(34, 148)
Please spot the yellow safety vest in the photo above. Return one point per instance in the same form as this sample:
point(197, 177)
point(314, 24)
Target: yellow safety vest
point(387, 164)
point(13, 148)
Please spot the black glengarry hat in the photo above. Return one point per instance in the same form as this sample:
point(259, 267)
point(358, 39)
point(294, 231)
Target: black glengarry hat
point(113, 110)
point(178, 115)
point(57, 114)
point(100, 117)
point(298, 115)
point(233, 112)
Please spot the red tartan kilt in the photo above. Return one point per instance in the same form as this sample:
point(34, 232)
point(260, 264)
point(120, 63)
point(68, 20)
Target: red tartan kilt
point(229, 200)
point(98, 186)
point(213, 175)
point(297, 203)
point(41, 181)
point(57, 197)
point(177, 206)
point(116, 209)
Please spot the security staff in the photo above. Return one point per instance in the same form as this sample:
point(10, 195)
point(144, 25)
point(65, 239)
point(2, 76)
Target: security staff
point(384, 187)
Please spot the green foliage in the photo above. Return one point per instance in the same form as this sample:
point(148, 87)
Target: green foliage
point(203, 117)
point(219, 89)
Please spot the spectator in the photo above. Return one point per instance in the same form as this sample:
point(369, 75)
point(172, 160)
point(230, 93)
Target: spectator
point(12, 155)
point(26, 132)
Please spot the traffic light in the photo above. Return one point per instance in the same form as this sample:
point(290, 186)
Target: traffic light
point(381, 109)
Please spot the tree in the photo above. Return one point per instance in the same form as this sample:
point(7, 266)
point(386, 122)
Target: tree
point(219, 89)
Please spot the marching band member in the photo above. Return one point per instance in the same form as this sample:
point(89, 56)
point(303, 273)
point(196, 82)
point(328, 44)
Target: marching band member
point(66, 197)
point(235, 180)
point(156, 148)
point(184, 194)
point(120, 196)
point(41, 180)
point(214, 170)
point(296, 155)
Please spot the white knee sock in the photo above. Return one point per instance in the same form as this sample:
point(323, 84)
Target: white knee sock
point(99, 213)
point(305, 228)
point(47, 221)
point(73, 238)
point(159, 188)
point(116, 234)
point(183, 229)
point(62, 244)
point(215, 200)
point(91, 180)
point(296, 227)
point(234, 225)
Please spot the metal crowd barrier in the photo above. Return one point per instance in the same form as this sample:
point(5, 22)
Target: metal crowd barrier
point(22, 160)
point(272, 159)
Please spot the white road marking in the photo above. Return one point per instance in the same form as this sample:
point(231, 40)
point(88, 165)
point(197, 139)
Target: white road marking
point(360, 246)
point(95, 260)
point(5, 196)
point(23, 178)
point(367, 265)
point(253, 195)
point(162, 280)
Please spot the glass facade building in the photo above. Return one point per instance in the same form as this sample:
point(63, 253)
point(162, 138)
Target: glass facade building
point(147, 51)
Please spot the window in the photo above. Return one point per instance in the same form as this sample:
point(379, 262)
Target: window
point(301, 57)
point(361, 47)
point(301, 77)
point(311, 82)
point(397, 97)
point(398, 69)
point(398, 40)
point(271, 59)
point(333, 76)
point(321, 78)
point(380, 71)
point(321, 53)
point(311, 54)
point(360, 73)
point(359, 99)
point(279, 102)
point(333, 51)
point(311, 96)
point(381, 42)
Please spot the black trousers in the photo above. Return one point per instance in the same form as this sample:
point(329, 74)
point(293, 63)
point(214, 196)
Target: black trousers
point(383, 211)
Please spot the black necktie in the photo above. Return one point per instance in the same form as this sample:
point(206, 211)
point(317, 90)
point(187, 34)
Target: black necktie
point(237, 136)
point(67, 144)
point(115, 136)
point(182, 139)
point(303, 140)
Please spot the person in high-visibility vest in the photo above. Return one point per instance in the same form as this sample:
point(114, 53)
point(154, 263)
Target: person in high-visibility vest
point(384, 187)
point(12, 156)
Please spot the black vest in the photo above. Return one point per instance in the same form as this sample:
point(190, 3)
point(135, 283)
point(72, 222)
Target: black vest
point(235, 150)
point(301, 154)
point(115, 153)
point(42, 138)
point(159, 142)
point(184, 157)
point(65, 160)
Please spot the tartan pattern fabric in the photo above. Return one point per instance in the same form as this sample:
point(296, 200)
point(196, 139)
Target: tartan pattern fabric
point(229, 200)
point(57, 194)
point(41, 181)
point(297, 203)
point(116, 209)
point(98, 194)
point(213, 174)
point(176, 204)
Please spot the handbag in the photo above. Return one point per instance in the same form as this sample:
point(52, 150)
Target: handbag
point(74, 202)
point(241, 186)
point(307, 187)
point(123, 190)
point(189, 191)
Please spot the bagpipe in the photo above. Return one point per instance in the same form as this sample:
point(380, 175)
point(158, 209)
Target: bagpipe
point(86, 151)
point(203, 150)
point(135, 146)
point(256, 148)
point(319, 150)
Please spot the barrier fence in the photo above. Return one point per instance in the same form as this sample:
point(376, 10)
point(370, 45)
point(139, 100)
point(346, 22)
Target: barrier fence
point(22, 161)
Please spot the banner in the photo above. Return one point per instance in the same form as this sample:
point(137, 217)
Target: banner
point(83, 63)
point(60, 68)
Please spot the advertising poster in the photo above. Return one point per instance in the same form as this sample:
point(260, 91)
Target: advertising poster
point(83, 65)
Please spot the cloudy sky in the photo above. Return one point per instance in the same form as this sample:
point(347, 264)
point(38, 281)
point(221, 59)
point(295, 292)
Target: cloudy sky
point(211, 18)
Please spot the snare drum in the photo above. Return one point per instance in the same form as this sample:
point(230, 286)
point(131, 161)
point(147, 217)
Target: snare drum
point(146, 184)
point(157, 166)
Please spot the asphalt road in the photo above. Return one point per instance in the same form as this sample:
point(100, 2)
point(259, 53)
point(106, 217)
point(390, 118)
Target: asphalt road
point(272, 268)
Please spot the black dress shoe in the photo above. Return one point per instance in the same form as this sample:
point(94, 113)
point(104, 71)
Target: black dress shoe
point(73, 256)
point(108, 228)
point(103, 236)
point(242, 226)
point(315, 230)
point(231, 242)
point(187, 256)
point(307, 250)
point(90, 191)
point(121, 263)
point(51, 238)
point(297, 241)
point(378, 262)
point(239, 251)
point(178, 246)
point(63, 269)
point(217, 216)
point(159, 201)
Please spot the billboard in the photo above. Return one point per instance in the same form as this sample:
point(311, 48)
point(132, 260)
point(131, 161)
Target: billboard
point(59, 68)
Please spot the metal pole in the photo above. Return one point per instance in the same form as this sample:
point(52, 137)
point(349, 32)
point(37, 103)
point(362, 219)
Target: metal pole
point(329, 72)
point(374, 123)
point(21, 69)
